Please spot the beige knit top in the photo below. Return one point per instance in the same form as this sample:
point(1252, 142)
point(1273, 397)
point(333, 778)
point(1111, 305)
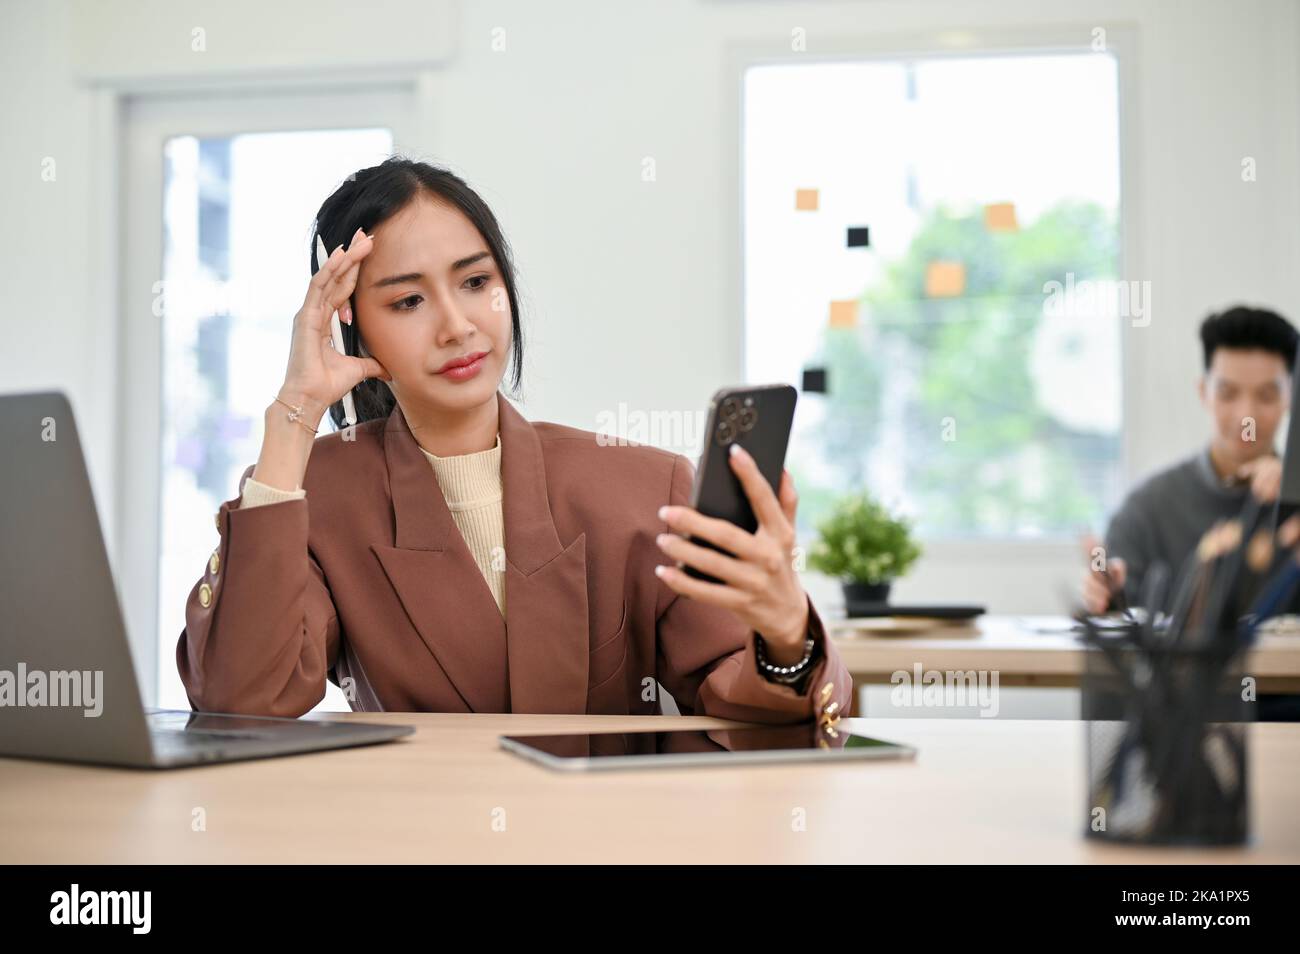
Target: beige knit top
point(471, 485)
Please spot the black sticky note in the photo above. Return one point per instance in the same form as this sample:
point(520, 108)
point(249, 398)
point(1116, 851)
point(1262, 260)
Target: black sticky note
point(859, 236)
point(814, 380)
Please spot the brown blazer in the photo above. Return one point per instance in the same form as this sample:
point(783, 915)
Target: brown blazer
point(368, 581)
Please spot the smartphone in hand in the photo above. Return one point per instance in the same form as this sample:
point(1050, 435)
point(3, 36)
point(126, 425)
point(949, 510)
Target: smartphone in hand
point(759, 420)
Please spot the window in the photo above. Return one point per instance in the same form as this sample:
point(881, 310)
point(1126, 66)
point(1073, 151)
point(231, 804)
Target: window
point(972, 345)
point(237, 217)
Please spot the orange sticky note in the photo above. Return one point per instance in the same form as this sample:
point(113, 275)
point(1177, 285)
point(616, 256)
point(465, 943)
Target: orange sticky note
point(805, 200)
point(1000, 217)
point(945, 279)
point(844, 314)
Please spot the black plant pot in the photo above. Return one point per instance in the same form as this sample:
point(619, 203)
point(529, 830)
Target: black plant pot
point(864, 598)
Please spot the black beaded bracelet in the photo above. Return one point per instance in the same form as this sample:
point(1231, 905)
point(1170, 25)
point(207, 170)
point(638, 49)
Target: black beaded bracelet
point(785, 674)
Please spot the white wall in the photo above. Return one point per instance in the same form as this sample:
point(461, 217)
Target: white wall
point(631, 288)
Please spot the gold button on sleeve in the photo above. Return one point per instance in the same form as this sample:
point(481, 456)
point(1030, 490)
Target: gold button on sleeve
point(214, 563)
point(205, 595)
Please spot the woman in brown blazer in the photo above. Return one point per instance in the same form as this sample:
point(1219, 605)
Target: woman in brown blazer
point(446, 554)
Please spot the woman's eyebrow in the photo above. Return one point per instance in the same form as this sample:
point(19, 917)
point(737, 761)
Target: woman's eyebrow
point(468, 260)
point(417, 276)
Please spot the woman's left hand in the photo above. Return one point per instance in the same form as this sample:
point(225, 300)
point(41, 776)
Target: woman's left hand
point(759, 583)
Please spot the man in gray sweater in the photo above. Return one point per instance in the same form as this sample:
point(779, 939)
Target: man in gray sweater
point(1246, 391)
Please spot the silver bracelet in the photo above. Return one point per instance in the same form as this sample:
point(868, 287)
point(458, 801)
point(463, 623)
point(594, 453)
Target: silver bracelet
point(785, 674)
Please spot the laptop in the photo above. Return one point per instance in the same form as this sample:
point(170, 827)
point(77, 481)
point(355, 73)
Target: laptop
point(68, 687)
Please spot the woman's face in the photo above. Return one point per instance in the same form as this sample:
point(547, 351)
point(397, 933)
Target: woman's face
point(430, 293)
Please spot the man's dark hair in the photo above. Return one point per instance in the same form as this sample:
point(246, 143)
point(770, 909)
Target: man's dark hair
point(1245, 328)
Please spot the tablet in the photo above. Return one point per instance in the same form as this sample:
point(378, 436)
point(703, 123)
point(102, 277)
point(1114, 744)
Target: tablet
point(806, 742)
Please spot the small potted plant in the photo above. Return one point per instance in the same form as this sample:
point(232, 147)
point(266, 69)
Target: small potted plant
point(865, 546)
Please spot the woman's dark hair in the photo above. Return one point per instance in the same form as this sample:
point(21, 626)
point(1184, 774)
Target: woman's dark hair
point(369, 197)
point(1248, 328)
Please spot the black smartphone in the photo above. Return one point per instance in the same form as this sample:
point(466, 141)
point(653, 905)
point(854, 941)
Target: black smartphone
point(759, 420)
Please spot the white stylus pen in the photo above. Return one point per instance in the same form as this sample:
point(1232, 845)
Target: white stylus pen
point(336, 336)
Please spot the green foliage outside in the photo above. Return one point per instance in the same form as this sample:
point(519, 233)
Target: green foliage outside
point(1008, 467)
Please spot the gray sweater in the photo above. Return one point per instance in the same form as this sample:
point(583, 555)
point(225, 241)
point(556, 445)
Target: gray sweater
point(1165, 516)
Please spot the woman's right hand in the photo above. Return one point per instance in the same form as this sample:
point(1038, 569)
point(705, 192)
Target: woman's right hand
point(317, 375)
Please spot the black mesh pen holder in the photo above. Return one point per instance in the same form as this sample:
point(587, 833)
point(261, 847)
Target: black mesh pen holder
point(1166, 744)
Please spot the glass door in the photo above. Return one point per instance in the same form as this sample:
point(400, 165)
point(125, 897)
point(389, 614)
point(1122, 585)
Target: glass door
point(221, 194)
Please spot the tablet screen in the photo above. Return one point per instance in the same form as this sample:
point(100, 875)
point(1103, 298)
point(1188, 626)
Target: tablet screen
point(803, 742)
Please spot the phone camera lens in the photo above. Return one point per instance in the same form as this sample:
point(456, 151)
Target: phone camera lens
point(748, 418)
point(730, 409)
point(726, 433)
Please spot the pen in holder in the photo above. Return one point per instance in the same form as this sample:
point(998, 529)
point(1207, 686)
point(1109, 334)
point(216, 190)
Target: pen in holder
point(1167, 743)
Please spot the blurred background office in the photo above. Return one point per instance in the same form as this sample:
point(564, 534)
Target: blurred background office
point(980, 234)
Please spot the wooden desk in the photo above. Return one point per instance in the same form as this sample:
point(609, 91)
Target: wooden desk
point(978, 791)
point(1021, 655)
